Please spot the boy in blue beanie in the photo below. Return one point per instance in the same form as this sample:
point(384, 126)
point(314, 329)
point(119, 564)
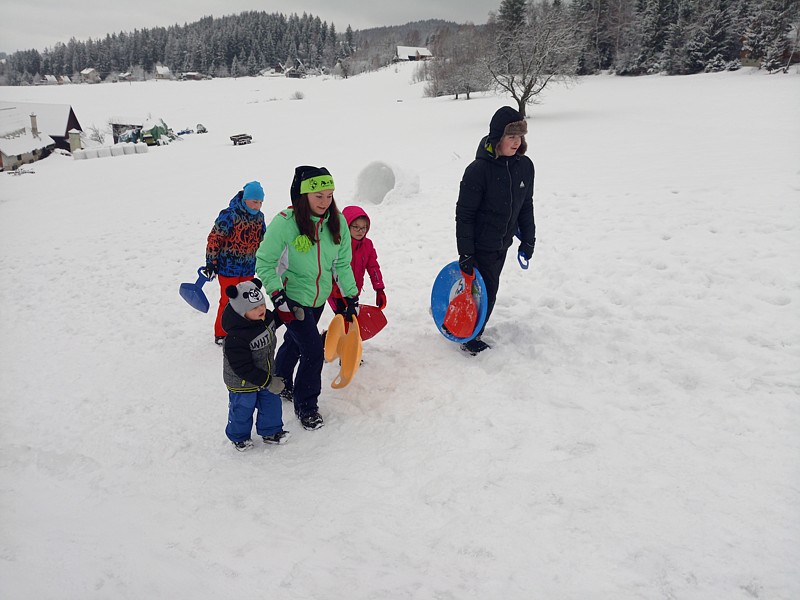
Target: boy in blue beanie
point(232, 245)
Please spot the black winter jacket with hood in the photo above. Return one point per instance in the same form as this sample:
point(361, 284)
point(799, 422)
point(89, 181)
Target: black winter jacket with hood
point(248, 351)
point(495, 198)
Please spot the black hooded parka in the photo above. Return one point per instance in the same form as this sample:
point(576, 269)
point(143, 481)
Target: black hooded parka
point(495, 198)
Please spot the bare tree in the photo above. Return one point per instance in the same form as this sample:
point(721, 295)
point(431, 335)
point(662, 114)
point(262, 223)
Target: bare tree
point(526, 59)
point(458, 68)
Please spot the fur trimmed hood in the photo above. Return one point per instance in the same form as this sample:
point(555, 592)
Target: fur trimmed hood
point(507, 121)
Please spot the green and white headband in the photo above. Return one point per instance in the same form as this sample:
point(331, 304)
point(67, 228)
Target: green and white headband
point(316, 184)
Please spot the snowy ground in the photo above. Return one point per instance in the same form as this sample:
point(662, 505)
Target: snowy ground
point(633, 434)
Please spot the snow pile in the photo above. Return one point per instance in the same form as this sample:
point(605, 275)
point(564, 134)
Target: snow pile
point(379, 181)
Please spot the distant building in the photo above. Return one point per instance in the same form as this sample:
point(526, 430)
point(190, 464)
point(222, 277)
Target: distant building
point(55, 120)
point(193, 76)
point(90, 75)
point(163, 72)
point(413, 53)
point(21, 142)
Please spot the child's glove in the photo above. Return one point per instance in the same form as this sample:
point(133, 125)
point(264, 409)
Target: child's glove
point(380, 299)
point(526, 249)
point(465, 263)
point(275, 385)
point(351, 308)
point(286, 309)
point(209, 271)
point(347, 307)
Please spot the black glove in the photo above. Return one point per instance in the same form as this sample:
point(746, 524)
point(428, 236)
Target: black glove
point(465, 263)
point(278, 298)
point(351, 308)
point(526, 249)
point(209, 271)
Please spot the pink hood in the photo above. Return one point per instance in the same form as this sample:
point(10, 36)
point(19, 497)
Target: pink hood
point(351, 213)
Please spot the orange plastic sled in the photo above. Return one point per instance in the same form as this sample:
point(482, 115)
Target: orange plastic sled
point(345, 345)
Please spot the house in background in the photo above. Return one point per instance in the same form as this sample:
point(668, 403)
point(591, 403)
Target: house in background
point(55, 120)
point(193, 76)
point(21, 142)
point(163, 72)
point(90, 75)
point(412, 53)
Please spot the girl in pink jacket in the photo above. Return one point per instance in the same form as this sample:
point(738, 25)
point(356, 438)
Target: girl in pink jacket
point(365, 259)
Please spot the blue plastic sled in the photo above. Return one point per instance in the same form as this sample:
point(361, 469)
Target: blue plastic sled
point(193, 292)
point(447, 286)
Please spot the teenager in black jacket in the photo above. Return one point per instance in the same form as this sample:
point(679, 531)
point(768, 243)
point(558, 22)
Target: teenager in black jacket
point(495, 200)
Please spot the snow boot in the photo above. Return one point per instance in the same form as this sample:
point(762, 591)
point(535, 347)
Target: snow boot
point(472, 347)
point(277, 438)
point(243, 445)
point(312, 421)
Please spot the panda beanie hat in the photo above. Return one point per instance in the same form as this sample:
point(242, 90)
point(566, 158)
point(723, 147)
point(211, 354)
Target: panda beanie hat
point(245, 296)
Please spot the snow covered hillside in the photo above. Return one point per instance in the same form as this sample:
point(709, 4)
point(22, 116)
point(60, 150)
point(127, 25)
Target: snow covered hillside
point(633, 434)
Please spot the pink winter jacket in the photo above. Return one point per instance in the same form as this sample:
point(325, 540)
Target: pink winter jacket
point(365, 259)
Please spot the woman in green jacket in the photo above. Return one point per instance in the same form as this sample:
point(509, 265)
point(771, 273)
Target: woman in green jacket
point(305, 249)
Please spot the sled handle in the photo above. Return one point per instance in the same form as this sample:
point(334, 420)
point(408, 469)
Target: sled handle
point(201, 279)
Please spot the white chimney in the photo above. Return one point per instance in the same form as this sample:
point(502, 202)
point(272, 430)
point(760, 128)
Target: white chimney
point(34, 125)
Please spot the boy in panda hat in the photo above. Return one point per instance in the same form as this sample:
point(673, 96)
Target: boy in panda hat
point(248, 354)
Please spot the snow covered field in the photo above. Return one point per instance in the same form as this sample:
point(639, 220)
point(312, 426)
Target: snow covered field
point(633, 434)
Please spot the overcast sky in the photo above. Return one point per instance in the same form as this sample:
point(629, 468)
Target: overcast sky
point(41, 24)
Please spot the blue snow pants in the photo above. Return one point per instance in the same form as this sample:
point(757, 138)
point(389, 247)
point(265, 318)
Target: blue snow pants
point(240, 414)
point(302, 342)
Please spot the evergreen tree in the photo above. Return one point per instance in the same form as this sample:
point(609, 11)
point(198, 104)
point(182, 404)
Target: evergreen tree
point(511, 15)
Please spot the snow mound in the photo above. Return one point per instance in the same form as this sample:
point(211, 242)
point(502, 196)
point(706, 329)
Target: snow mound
point(379, 181)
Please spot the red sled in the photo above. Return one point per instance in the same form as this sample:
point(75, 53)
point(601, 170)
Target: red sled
point(370, 321)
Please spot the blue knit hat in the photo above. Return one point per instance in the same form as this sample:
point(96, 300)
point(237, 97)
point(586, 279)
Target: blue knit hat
point(253, 191)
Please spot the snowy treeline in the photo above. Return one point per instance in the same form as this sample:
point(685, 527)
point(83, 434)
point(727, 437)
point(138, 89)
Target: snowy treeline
point(233, 45)
point(628, 37)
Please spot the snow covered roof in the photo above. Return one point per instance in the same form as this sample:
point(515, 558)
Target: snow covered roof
point(154, 122)
point(12, 121)
point(51, 119)
point(406, 51)
point(162, 70)
point(87, 71)
point(24, 143)
point(127, 120)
